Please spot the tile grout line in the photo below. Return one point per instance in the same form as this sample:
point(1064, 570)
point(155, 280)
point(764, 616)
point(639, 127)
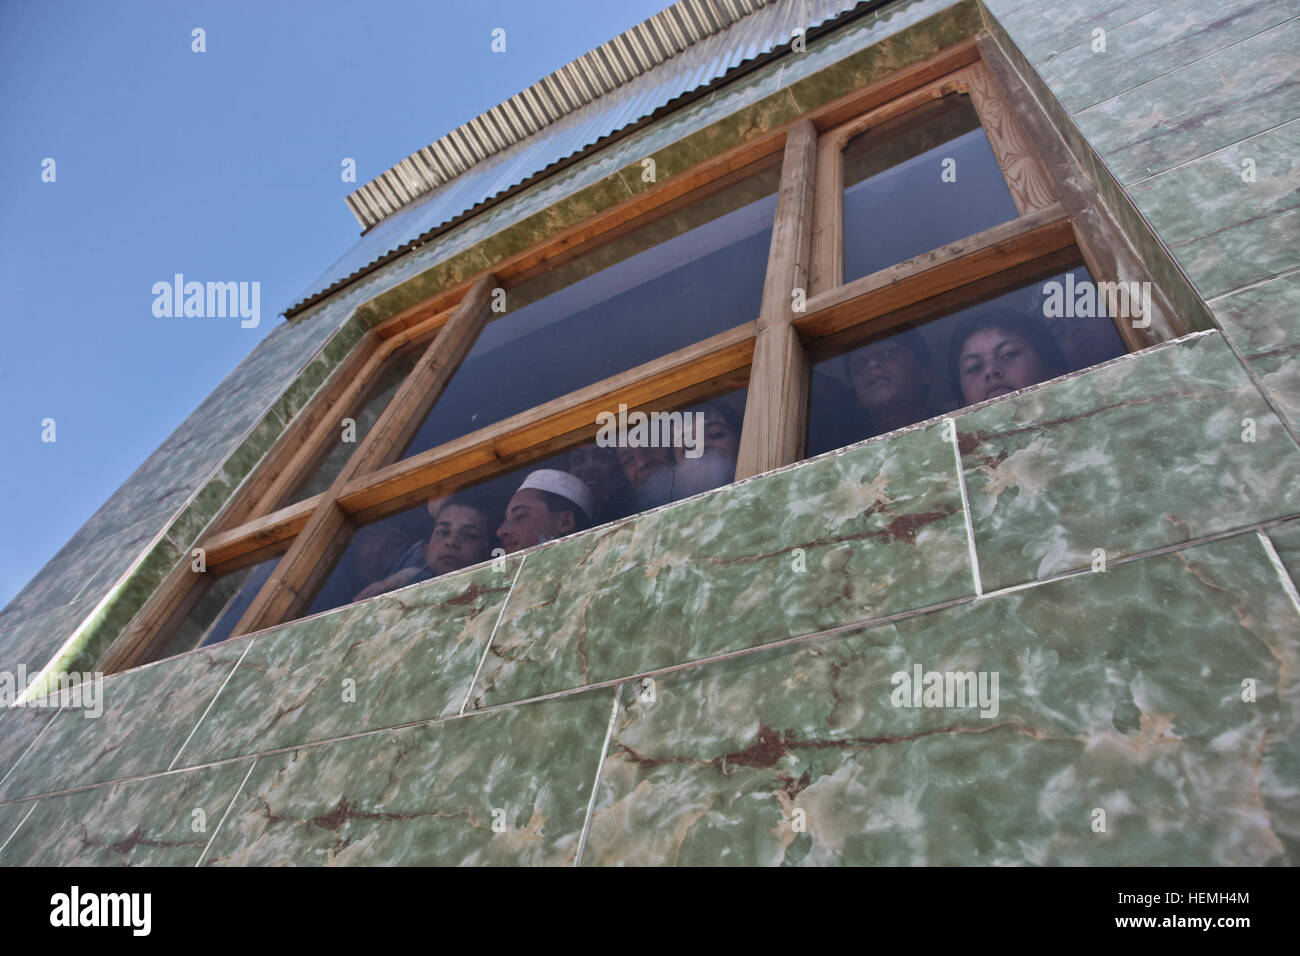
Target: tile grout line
point(230, 806)
point(810, 637)
point(1251, 285)
point(1184, 66)
point(1276, 560)
point(203, 716)
point(1196, 159)
point(1260, 391)
point(965, 510)
point(19, 827)
point(1109, 30)
point(28, 749)
point(491, 637)
point(600, 767)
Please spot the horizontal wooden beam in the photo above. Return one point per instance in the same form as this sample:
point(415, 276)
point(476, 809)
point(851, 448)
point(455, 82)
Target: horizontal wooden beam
point(694, 372)
point(925, 276)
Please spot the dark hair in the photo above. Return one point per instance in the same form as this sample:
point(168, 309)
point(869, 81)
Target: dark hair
point(723, 411)
point(1035, 333)
point(912, 338)
point(464, 500)
point(554, 503)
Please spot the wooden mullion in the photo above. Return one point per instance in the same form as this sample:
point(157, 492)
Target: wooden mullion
point(776, 405)
point(312, 554)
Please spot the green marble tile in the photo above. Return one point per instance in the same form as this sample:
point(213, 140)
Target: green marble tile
point(410, 655)
point(872, 530)
point(1168, 38)
point(1045, 31)
point(1262, 318)
point(19, 727)
point(1205, 106)
point(12, 816)
point(1142, 453)
point(1119, 691)
point(1286, 541)
point(164, 820)
point(1279, 373)
point(147, 713)
point(428, 795)
point(32, 642)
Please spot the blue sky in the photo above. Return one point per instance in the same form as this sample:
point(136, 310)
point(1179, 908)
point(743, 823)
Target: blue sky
point(221, 165)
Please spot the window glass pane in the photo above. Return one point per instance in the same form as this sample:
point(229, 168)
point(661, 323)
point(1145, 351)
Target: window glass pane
point(342, 444)
point(978, 353)
point(684, 277)
point(903, 197)
point(635, 464)
point(219, 610)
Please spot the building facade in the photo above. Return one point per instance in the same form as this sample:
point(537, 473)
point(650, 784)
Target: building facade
point(972, 536)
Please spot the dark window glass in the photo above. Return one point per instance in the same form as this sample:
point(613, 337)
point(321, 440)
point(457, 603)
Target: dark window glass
point(340, 448)
point(682, 278)
point(990, 349)
point(636, 463)
point(215, 615)
point(897, 200)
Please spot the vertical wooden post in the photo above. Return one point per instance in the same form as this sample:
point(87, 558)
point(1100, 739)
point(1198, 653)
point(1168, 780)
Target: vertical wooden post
point(311, 557)
point(776, 407)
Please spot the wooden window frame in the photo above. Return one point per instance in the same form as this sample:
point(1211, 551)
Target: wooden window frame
point(1061, 222)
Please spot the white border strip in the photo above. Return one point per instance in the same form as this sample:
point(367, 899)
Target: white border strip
point(1287, 584)
point(600, 768)
point(203, 716)
point(491, 637)
point(230, 806)
point(965, 510)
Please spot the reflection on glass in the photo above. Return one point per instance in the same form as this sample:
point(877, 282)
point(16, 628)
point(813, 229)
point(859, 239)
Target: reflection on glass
point(689, 275)
point(215, 615)
point(641, 460)
point(917, 183)
point(371, 405)
point(991, 349)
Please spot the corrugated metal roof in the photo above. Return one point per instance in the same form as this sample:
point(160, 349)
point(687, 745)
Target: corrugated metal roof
point(685, 49)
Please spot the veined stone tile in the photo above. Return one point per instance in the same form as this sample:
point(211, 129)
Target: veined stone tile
point(869, 531)
point(1044, 33)
point(428, 795)
point(1263, 318)
point(1119, 690)
point(12, 816)
point(1247, 87)
point(165, 820)
point(1286, 541)
point(411, 655)
point(1138, 454)
point(1166, 39)
point(19, 726)
point(31, 643)
point(1279, 372)
point(1237, 232)
point(147, 714)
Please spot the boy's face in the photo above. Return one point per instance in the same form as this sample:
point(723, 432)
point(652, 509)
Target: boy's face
point(378, 546)
point(639, 463)
point(529, 522)
point(599, 468)
point(719, 437)
point(996, 361)
point(887, 375)
point(459, 539)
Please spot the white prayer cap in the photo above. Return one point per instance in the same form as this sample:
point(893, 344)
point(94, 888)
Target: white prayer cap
point(567, 486)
